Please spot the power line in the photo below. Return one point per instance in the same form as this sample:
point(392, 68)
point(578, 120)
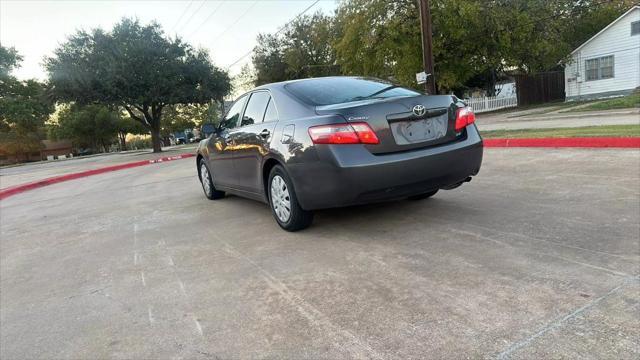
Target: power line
point(193, 14)
point(207, 18)
point(277, 32)
point(182, 15)
point(296, 18)
point(237, 20)
point(240, 58)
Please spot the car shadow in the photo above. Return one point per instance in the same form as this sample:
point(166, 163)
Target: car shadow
point(387, 214)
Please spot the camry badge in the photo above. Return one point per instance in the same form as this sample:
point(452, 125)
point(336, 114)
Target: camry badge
point(419, 110)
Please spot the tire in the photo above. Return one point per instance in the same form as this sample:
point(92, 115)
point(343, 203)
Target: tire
point(282, 197)
point(423, 195)
point(207, 182)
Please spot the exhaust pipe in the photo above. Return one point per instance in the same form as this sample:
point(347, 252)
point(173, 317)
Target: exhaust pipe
point(451, 187)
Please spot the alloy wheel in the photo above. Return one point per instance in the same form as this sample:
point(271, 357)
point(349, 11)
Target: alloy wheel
point(280, 198)
point(204, 178)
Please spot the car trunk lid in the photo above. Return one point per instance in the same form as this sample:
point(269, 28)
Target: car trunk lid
point(401, 123)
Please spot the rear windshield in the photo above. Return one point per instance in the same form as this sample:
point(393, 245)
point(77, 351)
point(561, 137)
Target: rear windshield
point(337, 90)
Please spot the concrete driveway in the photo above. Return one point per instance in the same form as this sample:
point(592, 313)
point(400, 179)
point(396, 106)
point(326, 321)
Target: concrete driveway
point(539, 256)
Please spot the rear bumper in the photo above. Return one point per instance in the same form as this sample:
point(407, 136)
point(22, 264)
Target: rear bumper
point(351, 175)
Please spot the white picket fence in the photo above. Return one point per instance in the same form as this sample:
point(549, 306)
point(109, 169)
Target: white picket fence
point(484, 104)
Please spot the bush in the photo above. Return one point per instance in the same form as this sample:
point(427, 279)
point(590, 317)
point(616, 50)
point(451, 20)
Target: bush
point(138, 142)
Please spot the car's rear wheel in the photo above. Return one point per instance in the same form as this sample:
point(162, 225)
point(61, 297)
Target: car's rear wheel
point(284, 203)
point(207, 183)
point(423, 195)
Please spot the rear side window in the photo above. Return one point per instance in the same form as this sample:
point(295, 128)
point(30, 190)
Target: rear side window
point(230, 120)
point(256, 108)
point(271, 114)
point(338, 90)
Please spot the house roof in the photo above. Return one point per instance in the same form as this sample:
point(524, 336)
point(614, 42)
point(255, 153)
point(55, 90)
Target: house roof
point(606, 27)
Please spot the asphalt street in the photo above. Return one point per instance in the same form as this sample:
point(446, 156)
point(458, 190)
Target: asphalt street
point(537, 257)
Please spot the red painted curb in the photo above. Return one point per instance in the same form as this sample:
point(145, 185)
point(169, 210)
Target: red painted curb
point(17, 189)
point(583, 142)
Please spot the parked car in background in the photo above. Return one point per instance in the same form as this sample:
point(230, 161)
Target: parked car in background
point(207, 130)
point(328, 142)
point(180, 137)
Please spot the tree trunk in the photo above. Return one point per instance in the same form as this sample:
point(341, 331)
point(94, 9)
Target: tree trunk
point(123, 141)
point(156, 139)
point(491, 83)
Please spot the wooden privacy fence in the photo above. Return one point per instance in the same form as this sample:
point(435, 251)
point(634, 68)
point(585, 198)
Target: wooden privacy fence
point(540, 88)
point(484, 104)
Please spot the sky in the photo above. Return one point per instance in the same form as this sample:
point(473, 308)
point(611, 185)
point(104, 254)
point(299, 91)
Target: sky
point(228, 29)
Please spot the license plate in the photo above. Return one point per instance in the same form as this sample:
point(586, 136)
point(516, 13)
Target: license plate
point(411, 132)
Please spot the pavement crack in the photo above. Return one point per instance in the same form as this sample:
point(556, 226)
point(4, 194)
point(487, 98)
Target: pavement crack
point(596, 267)
point(558, 322)
point(358, 348)
point(625, 257)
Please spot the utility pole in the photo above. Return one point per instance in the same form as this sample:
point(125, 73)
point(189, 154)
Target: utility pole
point(427, 47)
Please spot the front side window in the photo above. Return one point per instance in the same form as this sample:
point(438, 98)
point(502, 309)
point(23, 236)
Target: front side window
point(255, 109)
point(599, 68)
point(230, 120)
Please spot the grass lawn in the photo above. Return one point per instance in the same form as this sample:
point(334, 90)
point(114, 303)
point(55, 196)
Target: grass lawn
point(588, 131)
point(626, 102)
point(559, 106)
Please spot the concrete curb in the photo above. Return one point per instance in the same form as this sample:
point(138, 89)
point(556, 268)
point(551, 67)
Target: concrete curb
point(578, 142)
point(17, 189)
point(586, 142)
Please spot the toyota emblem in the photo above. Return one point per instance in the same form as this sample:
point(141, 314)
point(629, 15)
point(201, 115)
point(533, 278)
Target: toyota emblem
point(419, 110)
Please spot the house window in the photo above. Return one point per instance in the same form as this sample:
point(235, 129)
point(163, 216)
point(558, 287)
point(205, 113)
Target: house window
point(599, 68)
point(635, 28)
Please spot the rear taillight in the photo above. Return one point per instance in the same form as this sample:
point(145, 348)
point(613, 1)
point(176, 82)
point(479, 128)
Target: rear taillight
point(464, 117)
point(352, 133)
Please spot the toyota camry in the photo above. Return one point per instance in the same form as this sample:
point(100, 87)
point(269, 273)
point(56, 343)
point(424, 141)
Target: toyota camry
point(319, 143)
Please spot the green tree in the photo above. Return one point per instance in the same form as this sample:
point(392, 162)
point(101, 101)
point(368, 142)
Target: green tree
point(593, 16)
point(472, 39)
point(268, 60)
point(181, 117)
point(308, 51)
point(23, 108)
point(126, 125)
point(9, 60)
point(302, 50)
point(379, 38)
point(475, 42)
point(87, 126)
point(136, 67)
point(245, 80)
point(382, 39)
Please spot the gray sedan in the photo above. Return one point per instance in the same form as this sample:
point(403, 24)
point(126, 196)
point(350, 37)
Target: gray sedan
point(319, 143)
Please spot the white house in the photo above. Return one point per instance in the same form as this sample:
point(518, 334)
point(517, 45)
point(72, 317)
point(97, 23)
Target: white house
point(608, 64)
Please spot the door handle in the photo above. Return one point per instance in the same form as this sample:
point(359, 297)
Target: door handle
point(265, 133)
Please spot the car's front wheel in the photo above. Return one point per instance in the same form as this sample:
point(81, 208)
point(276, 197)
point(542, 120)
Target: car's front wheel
point(284, 203)
point(207, 183)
